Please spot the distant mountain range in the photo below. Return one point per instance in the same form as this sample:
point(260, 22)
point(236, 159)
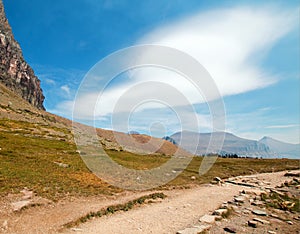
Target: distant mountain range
point(266, 147)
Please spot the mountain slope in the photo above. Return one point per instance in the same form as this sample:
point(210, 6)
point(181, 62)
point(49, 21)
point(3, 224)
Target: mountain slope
point(281, 149)
point(15, 73)
point(232, 144)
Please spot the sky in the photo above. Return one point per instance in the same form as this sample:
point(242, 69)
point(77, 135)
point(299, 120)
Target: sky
point(249, 48)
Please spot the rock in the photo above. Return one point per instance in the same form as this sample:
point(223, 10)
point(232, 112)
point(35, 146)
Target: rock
point(77, 229)
point(15, 73)
point(27, 194)
point(195, 230)
point(240, 199)
point(274, 216)
point(217, 179)
point(271, 232)
point(252, 223)
point(261, 221)
point(230, 229)
point(246, 212)
point(193, 177)
point(259, 212)
point(220, 212)
point(289, 222)
point(208, 219)
point(62, 164)
point(294, 174)
point(257, 203)
point(17, 206)
point(256, 192)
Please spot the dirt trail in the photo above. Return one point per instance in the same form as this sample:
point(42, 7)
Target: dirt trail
point(181, 209)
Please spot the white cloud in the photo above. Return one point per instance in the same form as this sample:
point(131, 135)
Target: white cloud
point(283, 126)
point(66, 89)
point(229, 43)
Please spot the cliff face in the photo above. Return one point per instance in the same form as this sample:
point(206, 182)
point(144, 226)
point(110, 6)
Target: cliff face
point(15, 73)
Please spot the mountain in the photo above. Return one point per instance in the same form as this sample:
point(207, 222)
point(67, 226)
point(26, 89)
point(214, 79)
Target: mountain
point(281, 149)
point(15, 73)
point(232, 144)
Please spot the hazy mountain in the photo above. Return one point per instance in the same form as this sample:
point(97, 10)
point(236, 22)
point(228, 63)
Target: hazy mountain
point(281, 149)
point(232, 144)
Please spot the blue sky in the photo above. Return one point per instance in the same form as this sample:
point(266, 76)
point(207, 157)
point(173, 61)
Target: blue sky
point(250, 48)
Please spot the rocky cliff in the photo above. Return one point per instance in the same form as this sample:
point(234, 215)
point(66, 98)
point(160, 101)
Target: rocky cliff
point(15, 73)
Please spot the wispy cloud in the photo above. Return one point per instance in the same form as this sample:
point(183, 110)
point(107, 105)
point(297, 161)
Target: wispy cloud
point(284, 126)
point(66, 89)
point(229, 43)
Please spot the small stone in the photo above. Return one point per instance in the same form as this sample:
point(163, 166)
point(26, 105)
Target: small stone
point(246, 212)
point(259, 212)
point(62, 164)
point(289, 222)
point(257, 203)
point(252, 223)
point(274, 216)
point(17, 206)
point(271, 232)
point(195, 229)
point(208, 219)
point(76, 229)
point(220, 212)
point(27, 194)
point(193, 177)
point(240, 199)
point(261, 221)
point(217, 179)
point(294, 174)
point(230, 229)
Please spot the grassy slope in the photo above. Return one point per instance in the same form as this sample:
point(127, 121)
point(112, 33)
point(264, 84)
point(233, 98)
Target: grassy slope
point(31, 141)
point(28, 152)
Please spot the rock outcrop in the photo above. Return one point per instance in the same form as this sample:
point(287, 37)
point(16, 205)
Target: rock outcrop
point(15, 73)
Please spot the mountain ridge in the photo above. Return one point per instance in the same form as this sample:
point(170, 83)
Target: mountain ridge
point(236, 145)
point(15, 72)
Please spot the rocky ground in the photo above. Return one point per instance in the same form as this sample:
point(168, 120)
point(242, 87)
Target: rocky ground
point(258, 208)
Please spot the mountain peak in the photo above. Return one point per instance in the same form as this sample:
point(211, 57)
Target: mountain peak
point(15, 73)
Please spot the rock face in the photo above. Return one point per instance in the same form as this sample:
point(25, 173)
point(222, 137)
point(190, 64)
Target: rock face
point(15, 73)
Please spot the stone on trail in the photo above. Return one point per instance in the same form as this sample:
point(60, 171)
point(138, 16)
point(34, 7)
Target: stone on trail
point(208, 219)
point(261, 221)
point(230, 229)
point(252, 223)
point(259, 212)
point(240, 199)
point(220, 211)
point(17, 206)
point(195, 229)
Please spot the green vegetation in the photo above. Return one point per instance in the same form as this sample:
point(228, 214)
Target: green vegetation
point(29, 154)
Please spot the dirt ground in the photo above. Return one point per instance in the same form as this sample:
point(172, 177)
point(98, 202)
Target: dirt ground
point(181, 209)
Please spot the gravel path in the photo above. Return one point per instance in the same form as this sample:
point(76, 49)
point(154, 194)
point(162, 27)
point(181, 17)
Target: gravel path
point(180, 210)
